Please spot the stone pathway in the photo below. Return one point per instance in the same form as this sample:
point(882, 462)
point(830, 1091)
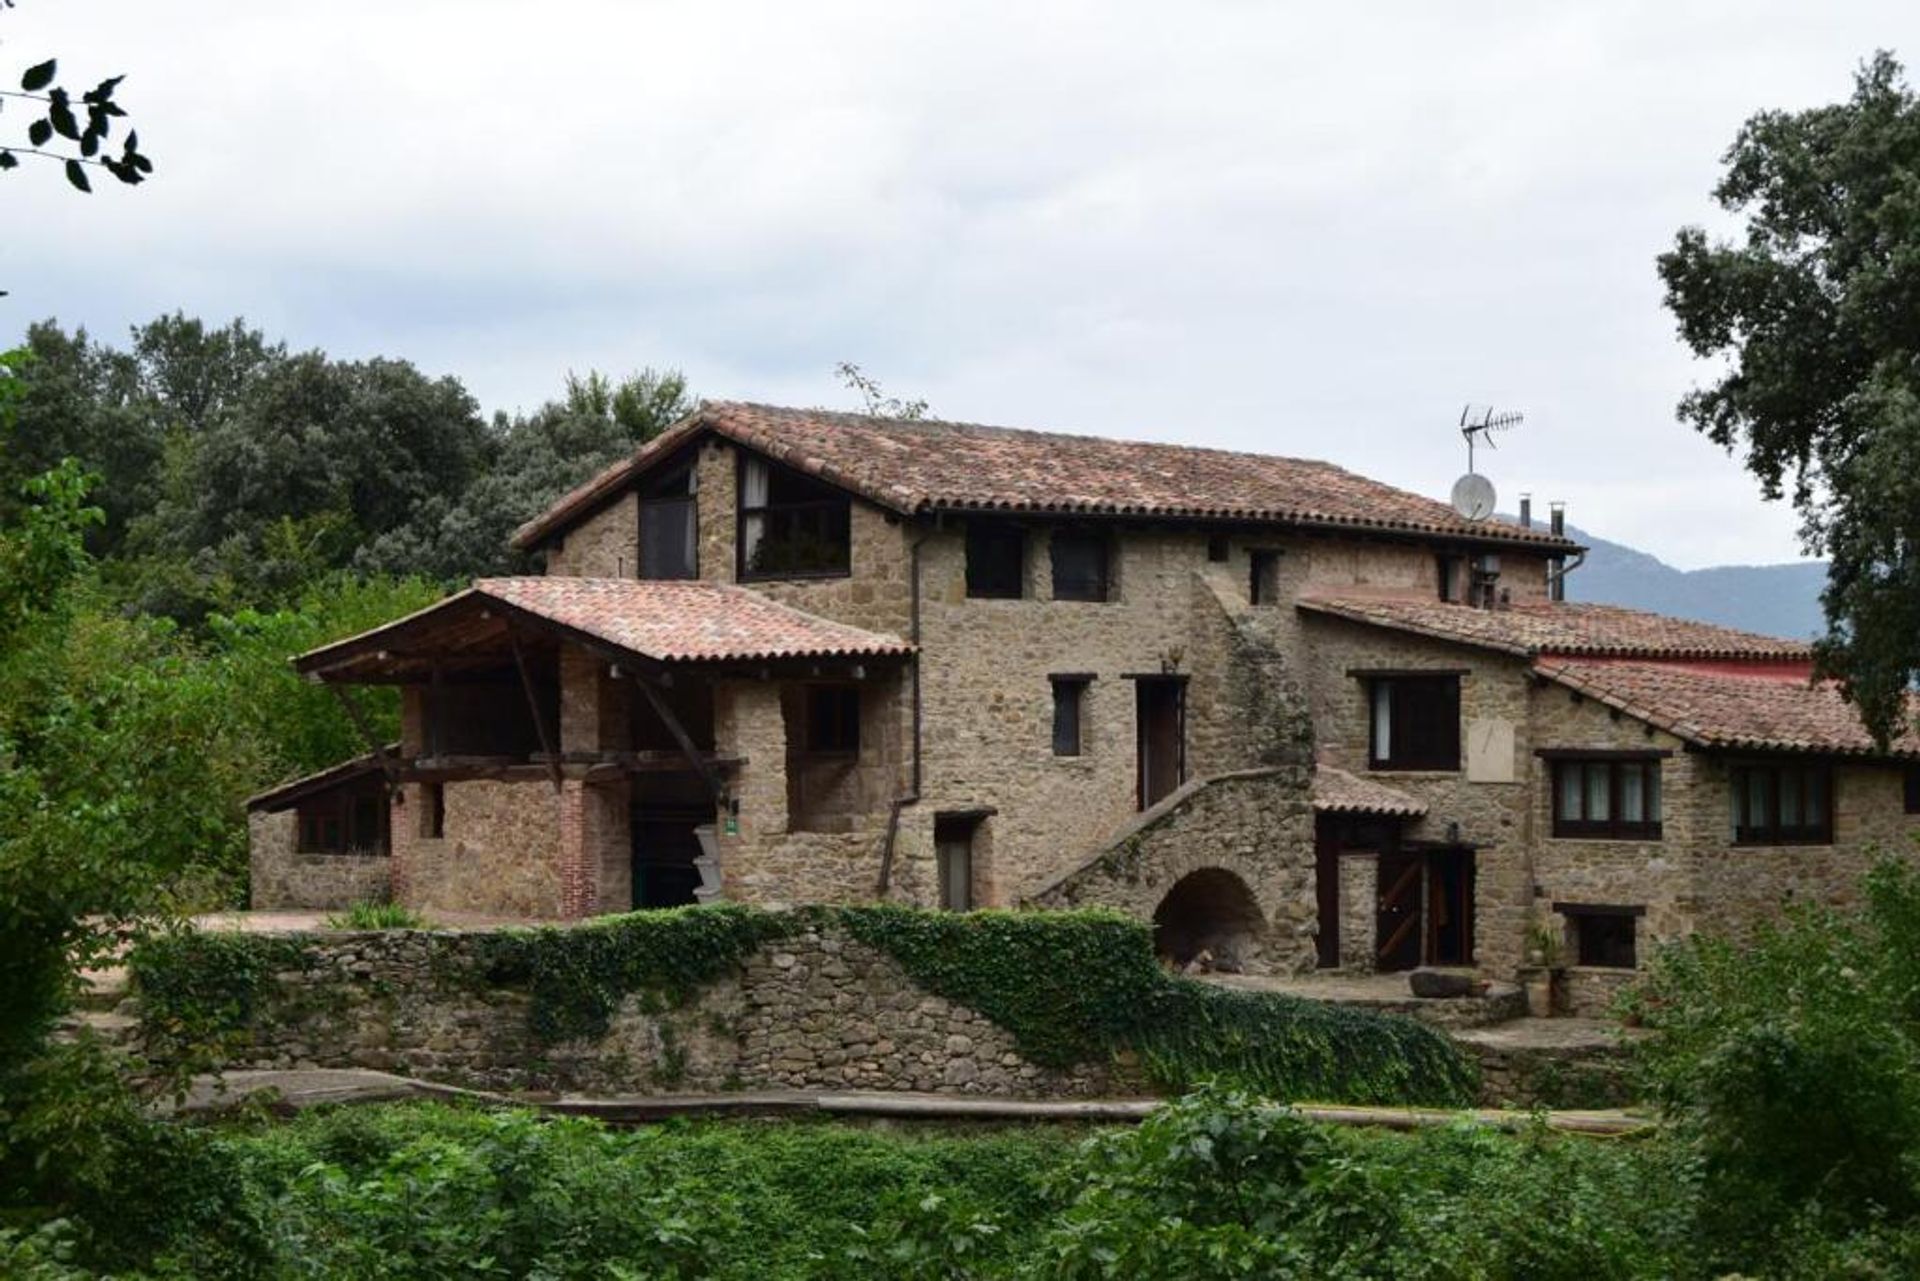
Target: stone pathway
point(287, 1092)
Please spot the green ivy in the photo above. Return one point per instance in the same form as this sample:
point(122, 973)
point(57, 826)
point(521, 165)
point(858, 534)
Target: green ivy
point(579, 974)
point(198, 988)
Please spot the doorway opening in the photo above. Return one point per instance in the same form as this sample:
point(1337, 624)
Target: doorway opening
point(956, 843)
point(664, 849)
point(1425, 909)
point(1161, 716)
point(1209, 911)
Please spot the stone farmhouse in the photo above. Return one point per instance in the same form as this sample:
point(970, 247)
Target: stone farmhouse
point(1294, 716)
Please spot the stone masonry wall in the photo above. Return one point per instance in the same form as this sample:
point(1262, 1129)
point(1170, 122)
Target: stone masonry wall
point(815, 1011)
point(499, 855)
point(279, 878)
point(604, 545)
point(1256, 824)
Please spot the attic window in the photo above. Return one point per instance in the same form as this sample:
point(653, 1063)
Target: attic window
point(1448, 570)
point(791, 526)
point(669, 526)
point(833, 720)
point(996, 560)
point(1263, 582)
point(1079, 565)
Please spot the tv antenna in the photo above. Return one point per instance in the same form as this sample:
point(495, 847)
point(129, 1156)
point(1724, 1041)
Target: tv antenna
point(1473, 495)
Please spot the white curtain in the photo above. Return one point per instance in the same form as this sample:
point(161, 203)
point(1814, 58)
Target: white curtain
point(753, 494)
point(1382, 721)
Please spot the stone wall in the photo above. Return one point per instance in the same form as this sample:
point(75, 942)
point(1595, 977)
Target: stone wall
point(1256, 825)
point(498, 855)
point(279, 878)
point(604, 545)
point(817, 1010)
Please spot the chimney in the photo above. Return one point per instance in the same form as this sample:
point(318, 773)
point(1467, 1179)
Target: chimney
point(1557, 572)
point(1526, 511)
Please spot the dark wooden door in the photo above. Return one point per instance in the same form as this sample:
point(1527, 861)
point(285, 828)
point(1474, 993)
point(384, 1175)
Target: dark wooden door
point(1450, 907)
point(1326, 885)
point(953, 850)
point(1161, 712)
point(1398, 932)
point(664, 847)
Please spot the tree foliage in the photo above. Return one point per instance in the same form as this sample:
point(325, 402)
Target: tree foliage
point(1815, 311)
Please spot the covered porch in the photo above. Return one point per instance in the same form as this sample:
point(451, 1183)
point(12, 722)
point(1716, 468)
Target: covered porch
point(574, 746)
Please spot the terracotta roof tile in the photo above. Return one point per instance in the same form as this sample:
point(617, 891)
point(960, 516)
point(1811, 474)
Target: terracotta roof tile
point(1728, 710)
point(1335, 791)
point(918, 466)
point(664, 621)
point(1531, 628)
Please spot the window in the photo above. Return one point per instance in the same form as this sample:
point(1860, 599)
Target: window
point(1912, 788)
point(996, 560)
point(1263, 584)
point(1218, 548)
point(1079, 565)
point(433, 810)
point(1602, 936)
point(1789, 804)
point(833, 719)
point(1069, 711)
point(1414, 722)
point(348, 821)
point(669, 529)
point(1607, 799)
point(791, 526)
point(1447, 569)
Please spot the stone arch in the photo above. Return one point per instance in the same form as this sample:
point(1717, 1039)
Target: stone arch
point(1210, 910)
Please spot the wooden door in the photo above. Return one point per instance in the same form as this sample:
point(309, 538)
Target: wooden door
point(1450, 907)
point(1161, 714)
point(953, 851)
point(1398, 930)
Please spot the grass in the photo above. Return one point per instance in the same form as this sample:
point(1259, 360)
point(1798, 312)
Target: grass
point(378, 916)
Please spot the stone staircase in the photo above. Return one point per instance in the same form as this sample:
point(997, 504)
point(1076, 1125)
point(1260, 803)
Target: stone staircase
point(106, 1009)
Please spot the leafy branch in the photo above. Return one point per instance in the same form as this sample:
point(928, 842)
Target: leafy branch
point(86, 122)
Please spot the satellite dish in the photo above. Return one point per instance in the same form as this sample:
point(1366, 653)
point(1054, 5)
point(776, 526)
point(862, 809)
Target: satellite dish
point(1473, 496)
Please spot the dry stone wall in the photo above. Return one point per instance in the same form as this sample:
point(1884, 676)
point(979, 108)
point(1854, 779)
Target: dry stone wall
point(816, 1010)
point(280, 878)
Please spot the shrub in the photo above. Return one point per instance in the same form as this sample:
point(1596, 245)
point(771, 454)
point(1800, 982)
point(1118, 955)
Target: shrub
point(377, 916)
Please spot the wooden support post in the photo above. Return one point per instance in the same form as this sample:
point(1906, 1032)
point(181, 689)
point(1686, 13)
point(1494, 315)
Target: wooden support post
point(533, 709)
point(684, 739)
point(387, 764)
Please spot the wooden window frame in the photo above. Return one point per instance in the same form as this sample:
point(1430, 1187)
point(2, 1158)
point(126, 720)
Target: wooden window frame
point(1447, 567)
point(677, 487)
point(837, 502)
point(1070, 697)
point(1441, 757)
point(844, 740)
point(1613, 827)
point(983, 533)
point(331, 823)
point(1777, 775)
point(1088, 539)
point(1581, 916)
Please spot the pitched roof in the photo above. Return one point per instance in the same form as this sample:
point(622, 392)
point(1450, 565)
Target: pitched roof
point(668, 622)
point(293, 790)
point(1728, 710)
point(923, 466)
point(1529, 628)
point(1335, 791)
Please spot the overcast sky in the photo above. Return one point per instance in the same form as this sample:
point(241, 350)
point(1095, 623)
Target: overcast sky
point(1304, 229)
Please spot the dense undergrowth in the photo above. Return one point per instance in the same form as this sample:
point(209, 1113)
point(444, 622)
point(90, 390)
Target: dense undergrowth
point(1070, 987)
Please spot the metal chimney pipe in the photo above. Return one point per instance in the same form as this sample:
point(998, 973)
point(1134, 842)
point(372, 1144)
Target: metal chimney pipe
point(1526, 511)
point(1558, 518)
point(1557, 574)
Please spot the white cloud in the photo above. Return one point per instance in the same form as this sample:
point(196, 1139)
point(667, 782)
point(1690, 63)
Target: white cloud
point(1310, 229)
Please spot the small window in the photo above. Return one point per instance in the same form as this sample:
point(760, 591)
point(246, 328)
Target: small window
point(1219, 548)
point(791, 526)
point(1788, 804)
point(1607, 799)
point(833, 719)
point(1263, 584)
point(433, 810)
point(1069, 713)
point(367, 813)
point(996, 560)
point(1447, 568)
point(1414, 723)
point(1603, 936)
point(313, 838)
point(1079, 565)
point(1912, 788)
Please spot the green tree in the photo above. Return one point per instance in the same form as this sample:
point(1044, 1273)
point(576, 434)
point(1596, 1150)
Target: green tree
point(1816, 313)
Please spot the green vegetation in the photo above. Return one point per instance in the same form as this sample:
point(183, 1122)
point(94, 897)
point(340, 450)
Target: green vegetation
point(1815, 364)
point(378, 916)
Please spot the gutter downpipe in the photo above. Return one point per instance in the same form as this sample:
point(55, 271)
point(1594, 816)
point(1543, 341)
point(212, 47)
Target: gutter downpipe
point(912, 795)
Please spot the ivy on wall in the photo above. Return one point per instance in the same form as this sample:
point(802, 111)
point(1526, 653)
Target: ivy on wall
point(1069, 987)
point(198, 988)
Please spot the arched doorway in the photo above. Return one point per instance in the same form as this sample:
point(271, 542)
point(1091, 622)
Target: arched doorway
point(1210, 911)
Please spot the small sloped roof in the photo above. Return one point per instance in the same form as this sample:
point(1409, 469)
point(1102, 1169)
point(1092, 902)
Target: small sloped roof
point(1729, 710)
point(295, 789)
point(661, 622)
point(923, 466)
point(1530, 628)
point(1335, 791)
